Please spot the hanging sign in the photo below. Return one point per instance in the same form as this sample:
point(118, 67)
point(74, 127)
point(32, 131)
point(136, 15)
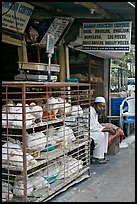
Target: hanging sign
point(57, 28)
point(107, 36)
point(15, 15)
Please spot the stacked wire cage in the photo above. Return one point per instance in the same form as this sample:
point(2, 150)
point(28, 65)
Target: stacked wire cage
point(45, 141)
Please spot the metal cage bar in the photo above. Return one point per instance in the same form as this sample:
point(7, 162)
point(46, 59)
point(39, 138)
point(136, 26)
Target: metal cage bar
point(45, 140)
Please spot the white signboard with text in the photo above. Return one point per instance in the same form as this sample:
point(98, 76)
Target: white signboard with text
point(107, 36)
point(15, 15)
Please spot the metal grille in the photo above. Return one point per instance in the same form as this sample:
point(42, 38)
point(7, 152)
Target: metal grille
point(45, 139)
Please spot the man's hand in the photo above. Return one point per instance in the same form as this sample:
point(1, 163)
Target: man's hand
point(111, 130)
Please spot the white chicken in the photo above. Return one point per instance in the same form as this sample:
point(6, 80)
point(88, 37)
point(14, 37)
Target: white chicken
point(7, 117)
point(52, 107)
point(76, 110)
point(50, 134)
point(36, 141)
point(18, 116)
point(51, 172)
point(12, 156)
point(69, 167)
point(6, 191)
point(33, 183)
point(7, 106)
point(37, 111)
point(65, 134)
point(64, 107)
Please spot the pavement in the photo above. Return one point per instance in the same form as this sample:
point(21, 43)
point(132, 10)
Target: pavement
point(111, 182)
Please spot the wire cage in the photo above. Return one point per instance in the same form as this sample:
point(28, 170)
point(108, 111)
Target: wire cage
point(45, 141)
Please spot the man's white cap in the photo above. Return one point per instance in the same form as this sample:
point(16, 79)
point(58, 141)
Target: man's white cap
point(100, 99)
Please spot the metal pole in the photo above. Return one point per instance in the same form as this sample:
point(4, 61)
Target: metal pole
point(24, 141)
point(67, 61)
point(49, 67)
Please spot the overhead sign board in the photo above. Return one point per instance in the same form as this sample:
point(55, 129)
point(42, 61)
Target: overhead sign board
point(57, 28)
point(15, 15)
point(107, 36)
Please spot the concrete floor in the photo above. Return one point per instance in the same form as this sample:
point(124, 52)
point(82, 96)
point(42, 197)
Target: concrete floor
point(111, 182)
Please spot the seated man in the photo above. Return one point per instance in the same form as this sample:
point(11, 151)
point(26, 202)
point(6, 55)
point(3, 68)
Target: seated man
point(98, 132)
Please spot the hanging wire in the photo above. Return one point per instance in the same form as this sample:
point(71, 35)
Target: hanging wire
point(15, 17)
point(8, 9)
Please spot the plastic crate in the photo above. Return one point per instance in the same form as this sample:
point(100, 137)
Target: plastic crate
point(115, 105)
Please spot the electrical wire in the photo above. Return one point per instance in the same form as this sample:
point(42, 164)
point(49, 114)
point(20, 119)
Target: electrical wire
point(8, 9)
point(15, 17)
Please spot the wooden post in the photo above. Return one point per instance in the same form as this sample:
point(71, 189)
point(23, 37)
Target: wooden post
point(38, 53)
point(22, 52)
point(67, 62)
point(62, 62)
